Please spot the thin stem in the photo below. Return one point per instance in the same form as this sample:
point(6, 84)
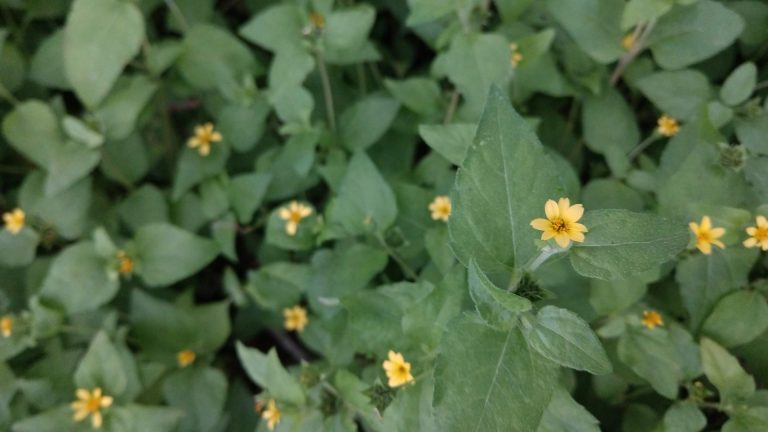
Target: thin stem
point(327, 93)
point(361, 82)
point(176, 11)
point(5, 94)
point(546, 253)
point(640, 35)
point(452, 105)
point(395, 256)
point(635, 152)
point(464, 20)
point(296, 351)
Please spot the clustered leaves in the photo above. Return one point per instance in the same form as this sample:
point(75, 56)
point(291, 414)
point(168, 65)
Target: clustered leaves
point(388, 215)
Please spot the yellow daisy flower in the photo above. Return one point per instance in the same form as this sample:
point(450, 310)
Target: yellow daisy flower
point(203, 137)
point(651, 319)
point(561, 222)
point(440, 208)
point(295, 318)
point(14, 220)
point(515, 57)
point(398, 370)
point(293, 214)
point(758, 234)
point(185, 358)
point(628, 41)
point(668, 126)
point(6, 326)
point(271, 414)
point(125, 263)
point(90, 403)
point(706, 236)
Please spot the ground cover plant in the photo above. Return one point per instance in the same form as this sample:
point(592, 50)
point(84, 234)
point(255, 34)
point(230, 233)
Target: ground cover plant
point(383, 215)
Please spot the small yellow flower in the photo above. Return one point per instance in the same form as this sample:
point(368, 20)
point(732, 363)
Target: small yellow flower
point(204, 136)
point(652, 319)
point(440, 208)
point(628, 41)
point(317, 20)
point(125, 263)
point(706, 236)
point(271, 414)
point(293, 213)
point(14, 220)
point(668, 126)
point(6, 326)
point(295, 318)
point(90, 403)
point(561, 222)
point(185, 358)
point(515, 56)
point(758, 234)
point(398, 370)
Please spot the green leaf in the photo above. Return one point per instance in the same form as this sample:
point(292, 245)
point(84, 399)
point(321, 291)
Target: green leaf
point(593, 24)
point(451, 140)
point(17, 250)
point(652, 356)
point(726, 323)
point(267, 371)
point(690, 34)
point(345, 34)
point(366, 121)
point(751, 133)
point(164, 328)
point(739, 85)
point(144, 206)
point(684, 417)
point(278, 285)
point(80, 279)
point(246, 193)
point(243, 126)
point(724, 371)
point(66, 211)
point(565, 414)
point(166, 254)
point(200, 392)
point(420, 95)
point(33, 129)
point(102, 366)
point(499, 308)
point(47, 66)
point(365, 203)
point(606, 193)
point(610, 128)
point(621, 243)
point(487, 380)
point(100, 38)
point(54, 420)
point(563, 337)
point(501, 187)
point(132, 417)
point(121, 109)
point(639, 11)
point(69, 162)
point(676, 93)
point(753, 419)
point(275, 27)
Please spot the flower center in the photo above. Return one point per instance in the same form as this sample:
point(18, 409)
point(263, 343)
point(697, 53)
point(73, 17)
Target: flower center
point(761, 234)
point(295, 217)
point(402, 370)
point(704, 237)
point(93, 404)
point(559, 225)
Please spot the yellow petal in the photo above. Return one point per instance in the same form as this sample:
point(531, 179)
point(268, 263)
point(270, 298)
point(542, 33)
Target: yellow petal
point(106, 401)
point(548, 234)
point(576, 236)
point(563, 204)
point(562, 240)
point(578, 227)
point(750, 242)
point(704, 247)
point(717, 232)
point(541, 224)
point(291, 227)
point(96, 420)
point(79, 415)
point(694, 227)
point(284, 214)
point(751, 231)
point(761, 220)
point(83, 394)
point(718, 243)
point(574, 213)
point(551, 210)
point(706, 223)
point(205, 149)
point(216, 137)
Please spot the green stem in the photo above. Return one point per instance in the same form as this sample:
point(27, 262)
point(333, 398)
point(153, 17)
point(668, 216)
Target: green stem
point(176, 11)
point(395, 256)
point(452, 105)
point(635, 152)
point(5, 94)
point(327, 93)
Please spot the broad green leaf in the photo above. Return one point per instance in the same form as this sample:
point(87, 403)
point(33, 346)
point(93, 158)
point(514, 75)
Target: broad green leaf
point(291, 166)
point(690, 34)
point(33, 130)
point(501, 187)
point(278, 285)
point(420, 95)
point(498, 307)
point(18, 249)
point(275, 27)
point(724, 371)
point(47, 66)
point(69, 162)
point(54, 420)
point(754, 14)
point(422, 11)
point(132, 417)
point(102, 367)
point(565, 414)
point(639, 11)
point(411, 409)
point(487, 380)
point(652, 356)
point(246, 192)
point(739, 85)
point(200, 392)
point(365, 202)
point(608, 297)
point(347, 29)
point(244, 125)
point(593, 24)
point(451, 140)
point(621, 243)
point(80, 280)
point(610, 128)
point(365, 122)
point(193, 168)
point(753, 419)
point(166, 254)
point(224, 232)
point(267, 371)
point(164, 328)
point(144, 206)
point(726, 323)
point(751, 133)
point(125, 161)
point(684, 417)
point(563, 337)
point(212, 58)
point(756, 171)
point(676, 93)
point(100, 38)
point(66, 211)
point(605, 193)
point(120, 111)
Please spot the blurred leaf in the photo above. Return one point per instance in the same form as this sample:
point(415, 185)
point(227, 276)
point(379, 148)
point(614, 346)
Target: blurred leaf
point(684, 417)
point(365, 122)
point(724, 371)
point(102, 367)
point(246, 192)
point(499, 308)
point(726, 325)
point(451, 140)
point(651, 355)
point(739, 85)
point(212, 57)
point(17, 250)
point(601, 38)
point(200, 392)
point(677, 93)
point(610, 128)
point(565, 414)
point(267, 371)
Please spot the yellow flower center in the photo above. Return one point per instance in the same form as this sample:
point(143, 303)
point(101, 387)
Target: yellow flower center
point(668, 126)
point(627, 41)
point(185, 358)
point(652, 319)
point(14, 220)
point(6, 326)
point(559, 226)
point(295, 318)
point(761, 234)
point(441, 208)
point(125, 263)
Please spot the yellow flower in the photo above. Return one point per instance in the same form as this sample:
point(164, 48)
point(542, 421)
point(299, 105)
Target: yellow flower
point(317, 20)
point(125, 263)
point(14, 220)
point(668, 126)
point(90, 403)
point(706, 236)
point(398, 370)
point(185, 358)
point(295, 318)
point(440, 208)
point(293, 213)
point(758, 234)
point(652, 319)
point(561, 222)
point(6, 326)
point(271, 414)
point(628, 41)
point(515, 56)
point(204, 136)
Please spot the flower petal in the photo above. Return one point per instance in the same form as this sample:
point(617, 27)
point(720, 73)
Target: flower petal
point(551, 210)
point(704, 247)
point(750, 242)
point(717, 232)
point(576, 236)
point(574, 212)
point(562, 240)
point(706, 223)
point(541, 224)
